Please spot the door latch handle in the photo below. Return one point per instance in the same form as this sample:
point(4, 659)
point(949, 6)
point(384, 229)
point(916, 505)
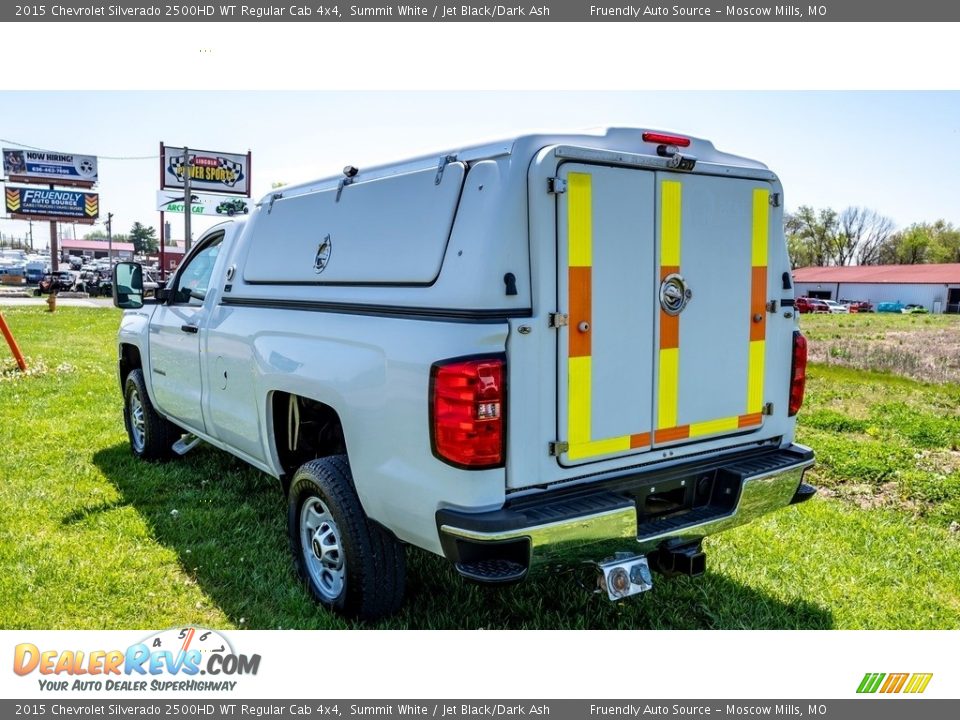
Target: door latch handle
point(190, 328)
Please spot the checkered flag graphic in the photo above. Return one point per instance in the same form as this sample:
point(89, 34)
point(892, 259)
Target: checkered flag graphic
point(236, 167)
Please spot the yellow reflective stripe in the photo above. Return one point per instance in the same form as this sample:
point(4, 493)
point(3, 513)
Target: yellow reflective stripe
point(670, 223)
point(579, 220)
point(714, 426)
point(761, 222)
point(924, 681)
point(579, 451)
point(755, 377)
point(667, 390)
point(579, 374)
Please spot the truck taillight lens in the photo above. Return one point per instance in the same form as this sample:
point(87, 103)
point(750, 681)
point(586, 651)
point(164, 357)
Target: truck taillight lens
point(467, 404)
point(798, 372)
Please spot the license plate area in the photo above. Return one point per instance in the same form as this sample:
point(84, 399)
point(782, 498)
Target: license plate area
point(713, 490)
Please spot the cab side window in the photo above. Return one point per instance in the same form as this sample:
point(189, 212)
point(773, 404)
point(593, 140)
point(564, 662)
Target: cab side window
point(194, 281)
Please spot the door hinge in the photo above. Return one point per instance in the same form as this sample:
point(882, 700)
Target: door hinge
point(558, 320)
point(775, 199)
point(772, 306)
point(558, 448)
point(767, 409)
point(556, 185)
point(444, 161)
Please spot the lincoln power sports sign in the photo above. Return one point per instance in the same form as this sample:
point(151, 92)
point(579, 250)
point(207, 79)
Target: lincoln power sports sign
point(210, 171)
point(60, 205)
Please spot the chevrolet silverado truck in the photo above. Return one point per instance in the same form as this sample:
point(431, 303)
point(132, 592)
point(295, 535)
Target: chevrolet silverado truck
point(559, 350)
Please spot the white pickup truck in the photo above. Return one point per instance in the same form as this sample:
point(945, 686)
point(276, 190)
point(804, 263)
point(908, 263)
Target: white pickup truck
point(552, 350)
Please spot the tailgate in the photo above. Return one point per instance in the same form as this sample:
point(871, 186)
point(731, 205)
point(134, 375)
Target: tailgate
point(663, 279)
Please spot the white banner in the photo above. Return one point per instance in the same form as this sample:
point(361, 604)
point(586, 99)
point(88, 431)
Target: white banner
point(52, 167)
point(202, 663)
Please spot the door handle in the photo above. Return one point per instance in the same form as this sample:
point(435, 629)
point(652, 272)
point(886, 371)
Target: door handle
point(190, 328)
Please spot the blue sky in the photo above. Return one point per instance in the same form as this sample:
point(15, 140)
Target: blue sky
point(896, 152)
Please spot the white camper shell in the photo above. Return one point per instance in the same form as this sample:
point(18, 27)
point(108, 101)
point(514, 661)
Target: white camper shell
point(553, 348)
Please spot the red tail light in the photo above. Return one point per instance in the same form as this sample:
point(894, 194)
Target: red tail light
point(798, 372)
point(467, 407)
point(662, 139)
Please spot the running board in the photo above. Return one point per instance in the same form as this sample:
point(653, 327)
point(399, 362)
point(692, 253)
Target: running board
point(186, 443)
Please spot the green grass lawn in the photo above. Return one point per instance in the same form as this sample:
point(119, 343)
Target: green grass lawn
point(92, 538)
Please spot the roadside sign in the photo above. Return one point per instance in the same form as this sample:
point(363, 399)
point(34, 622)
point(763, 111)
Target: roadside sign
point(54, 205)
point(210, 171)
point(216, 205)
point(41, 166)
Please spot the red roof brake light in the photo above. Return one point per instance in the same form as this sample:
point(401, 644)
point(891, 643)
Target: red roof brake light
point(663, 139)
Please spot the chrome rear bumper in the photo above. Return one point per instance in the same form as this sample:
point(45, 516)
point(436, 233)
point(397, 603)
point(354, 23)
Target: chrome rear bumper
point(591, 525)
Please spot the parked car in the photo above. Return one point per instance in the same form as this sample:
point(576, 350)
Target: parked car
point(835, 307)
point(430, 382)
point(811, 305)
point(914, 309)
point(55, 282)
point(858, 306)
point(889, 307)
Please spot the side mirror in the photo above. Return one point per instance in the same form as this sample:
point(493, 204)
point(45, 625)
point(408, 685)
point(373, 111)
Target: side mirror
point(128, 286)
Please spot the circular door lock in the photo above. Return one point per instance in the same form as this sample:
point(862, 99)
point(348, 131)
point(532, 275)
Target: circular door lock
point(674, 294)
point(584, 326)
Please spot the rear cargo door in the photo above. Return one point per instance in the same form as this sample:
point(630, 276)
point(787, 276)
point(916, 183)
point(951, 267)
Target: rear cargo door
point(712, 244)
point(606, 284)
point(662, 286)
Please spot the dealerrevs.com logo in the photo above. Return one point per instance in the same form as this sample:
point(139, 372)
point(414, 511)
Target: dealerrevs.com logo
point(180, 659)
point(889, 683)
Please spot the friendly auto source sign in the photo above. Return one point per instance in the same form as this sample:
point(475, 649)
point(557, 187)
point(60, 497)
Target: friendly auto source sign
point(67, 205)
point(216, 205)
point(40, 165)
point(210, 171)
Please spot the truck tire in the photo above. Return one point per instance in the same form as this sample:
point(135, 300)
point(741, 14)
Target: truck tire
point(350, 564)
point(151, 435)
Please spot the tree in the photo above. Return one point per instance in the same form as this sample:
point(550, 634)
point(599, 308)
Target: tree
point(862, 233)
point(937, 242)
point(144, 239)
point(812, 234)
point(96, 235)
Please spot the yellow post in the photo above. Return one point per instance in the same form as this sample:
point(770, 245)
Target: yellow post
point(52, 302)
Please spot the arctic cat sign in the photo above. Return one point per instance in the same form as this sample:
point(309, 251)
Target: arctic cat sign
point(57, 205)
point(210, 171)
point(216, 205)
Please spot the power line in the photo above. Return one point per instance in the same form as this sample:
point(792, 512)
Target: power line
point(99, 157)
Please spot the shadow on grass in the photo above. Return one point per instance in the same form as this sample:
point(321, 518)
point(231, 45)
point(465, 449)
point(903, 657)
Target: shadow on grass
point(227, 524)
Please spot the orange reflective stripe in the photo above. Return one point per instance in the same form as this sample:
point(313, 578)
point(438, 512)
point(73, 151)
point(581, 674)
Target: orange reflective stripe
point(580, 280)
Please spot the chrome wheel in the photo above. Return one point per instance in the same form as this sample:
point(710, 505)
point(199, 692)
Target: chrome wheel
point(137, 422)
point(322, 548)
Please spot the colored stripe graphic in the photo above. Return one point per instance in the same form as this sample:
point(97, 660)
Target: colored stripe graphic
point(870, 682)
point(894, 683)
point(13, 200)
point(579, 361)
point(918, 683)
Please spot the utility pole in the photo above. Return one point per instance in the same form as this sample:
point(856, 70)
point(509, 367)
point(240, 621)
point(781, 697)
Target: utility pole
point(110, 239)
point(31, 235)
point(187, 205)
